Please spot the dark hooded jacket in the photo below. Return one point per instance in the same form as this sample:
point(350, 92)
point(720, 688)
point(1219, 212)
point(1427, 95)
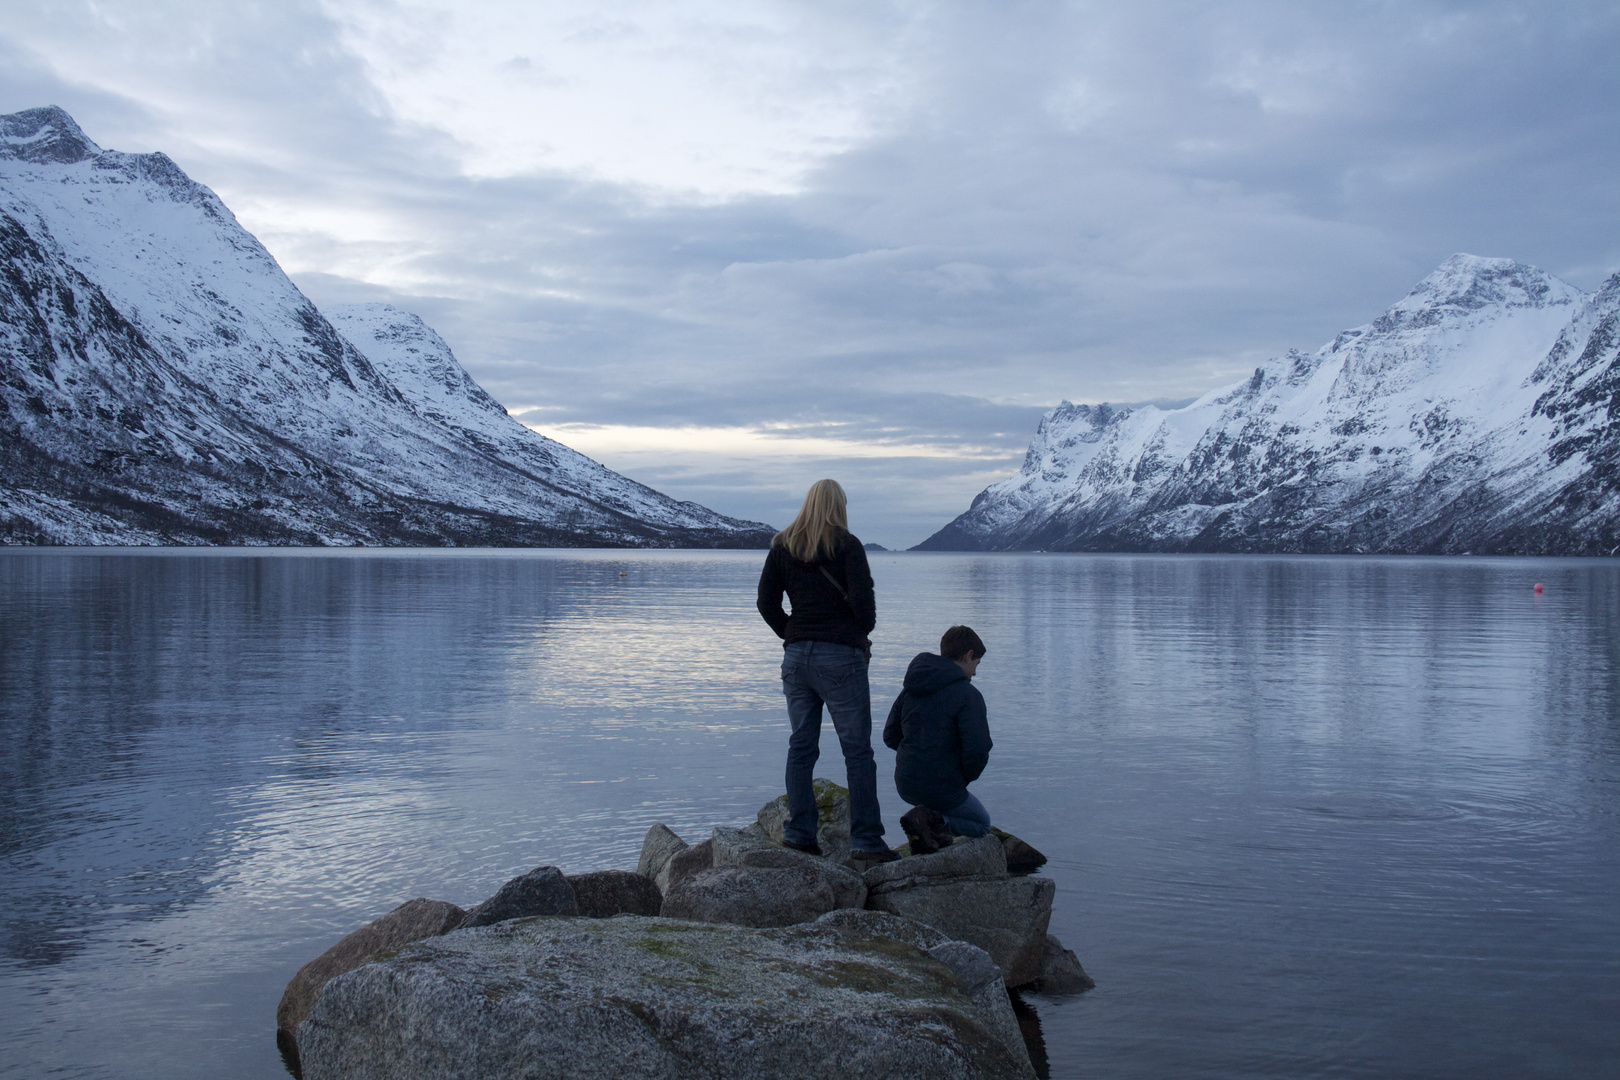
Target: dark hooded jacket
point(940, 733)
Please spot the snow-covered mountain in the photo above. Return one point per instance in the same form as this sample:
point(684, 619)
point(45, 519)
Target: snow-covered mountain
point(1480, 414)
point(164, 382)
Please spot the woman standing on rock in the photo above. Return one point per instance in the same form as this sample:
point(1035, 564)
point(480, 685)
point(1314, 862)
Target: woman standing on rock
point(822, 569)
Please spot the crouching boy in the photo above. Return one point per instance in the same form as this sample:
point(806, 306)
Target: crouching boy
point(941, 736)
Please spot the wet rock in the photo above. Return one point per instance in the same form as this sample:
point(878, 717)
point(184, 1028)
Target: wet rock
point(832, 813)
point(1061, 972)
point(606, 893)
point(542, 891)
point(652, 997)
point(411, 921)
point(1022, 857)
point(657, 848)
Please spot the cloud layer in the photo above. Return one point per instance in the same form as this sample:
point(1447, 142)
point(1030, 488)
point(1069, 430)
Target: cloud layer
point(730, 248)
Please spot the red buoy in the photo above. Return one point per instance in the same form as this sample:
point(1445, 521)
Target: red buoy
point(1538, 586)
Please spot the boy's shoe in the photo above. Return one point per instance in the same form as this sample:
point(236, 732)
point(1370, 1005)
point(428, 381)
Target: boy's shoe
point(925, 829)
point(812, 848)
point(886, 855)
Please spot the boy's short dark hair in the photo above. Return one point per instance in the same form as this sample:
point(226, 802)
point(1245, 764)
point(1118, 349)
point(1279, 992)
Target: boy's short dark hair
point(958, 641)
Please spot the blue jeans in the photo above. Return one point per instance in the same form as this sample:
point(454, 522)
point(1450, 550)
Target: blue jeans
point(968, 817)
point(817, 673)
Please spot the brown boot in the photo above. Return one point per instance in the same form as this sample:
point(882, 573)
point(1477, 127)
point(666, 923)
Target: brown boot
point(925, 829)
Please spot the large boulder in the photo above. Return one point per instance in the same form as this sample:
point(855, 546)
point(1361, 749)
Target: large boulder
point(832, 814)
point(579, 999)
point(605, 893)
point(730, 845)
point(966, 893)
point(542, 891)
point(411, 921)
point(1022, 856)
point(754, 881)
point(980, 979)
point(976, 973)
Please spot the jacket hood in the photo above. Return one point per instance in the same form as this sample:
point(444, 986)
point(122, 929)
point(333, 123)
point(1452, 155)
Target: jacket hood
point(930, 673)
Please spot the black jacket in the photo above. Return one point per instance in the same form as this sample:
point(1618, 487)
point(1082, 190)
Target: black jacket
point(940, 733)
point(819, 613)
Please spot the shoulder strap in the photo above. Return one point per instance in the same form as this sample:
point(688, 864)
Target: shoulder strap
point(826, 573)
point(845, 594)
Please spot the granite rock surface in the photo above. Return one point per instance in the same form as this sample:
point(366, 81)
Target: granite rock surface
point(966, 893)
point(411, 921)
point(632, 996)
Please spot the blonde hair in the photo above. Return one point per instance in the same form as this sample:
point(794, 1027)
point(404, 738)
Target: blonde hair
point(814, 532)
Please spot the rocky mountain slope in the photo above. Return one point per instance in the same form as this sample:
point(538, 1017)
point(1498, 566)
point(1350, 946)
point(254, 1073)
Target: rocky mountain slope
point(1477, 415)
point(164, 382)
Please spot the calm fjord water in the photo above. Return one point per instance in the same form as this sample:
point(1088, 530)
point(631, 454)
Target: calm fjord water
point(1307, 817)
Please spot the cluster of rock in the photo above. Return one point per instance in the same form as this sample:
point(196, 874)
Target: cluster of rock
point(733, 957)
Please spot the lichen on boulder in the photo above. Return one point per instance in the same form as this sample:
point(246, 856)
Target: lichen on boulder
point(633, 996)
point(832, 819)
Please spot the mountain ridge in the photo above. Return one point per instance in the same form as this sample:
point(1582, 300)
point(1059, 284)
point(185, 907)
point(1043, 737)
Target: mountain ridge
point(1476, 414)
point(165, 382)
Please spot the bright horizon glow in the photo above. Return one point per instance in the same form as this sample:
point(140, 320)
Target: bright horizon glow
point(610, 439)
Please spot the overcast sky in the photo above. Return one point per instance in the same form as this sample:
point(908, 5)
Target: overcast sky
point(728, 248)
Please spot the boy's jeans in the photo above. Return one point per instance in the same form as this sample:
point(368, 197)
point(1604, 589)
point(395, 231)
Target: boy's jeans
point(816, 673)
point(968, 817)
